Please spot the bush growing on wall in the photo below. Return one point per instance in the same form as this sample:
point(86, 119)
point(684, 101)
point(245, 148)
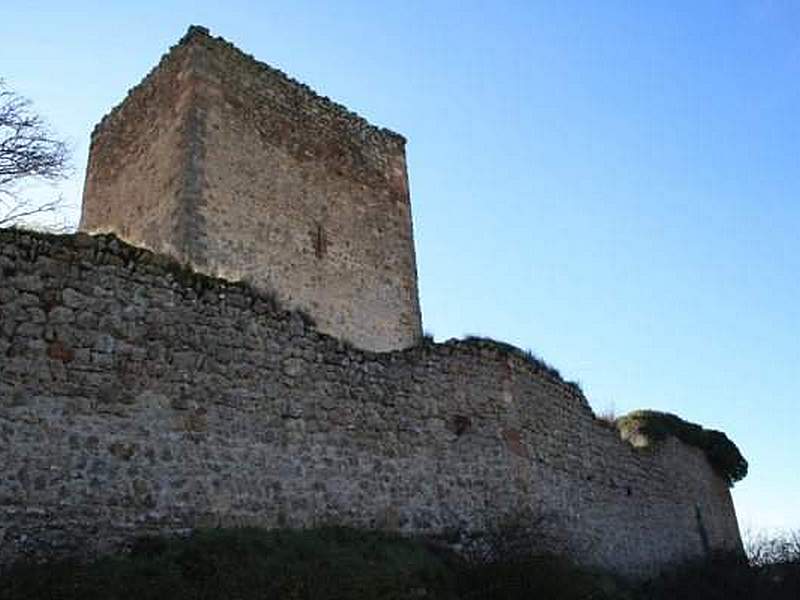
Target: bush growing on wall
point(722, 453)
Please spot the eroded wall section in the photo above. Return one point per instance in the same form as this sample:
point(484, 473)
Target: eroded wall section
point(137, 398)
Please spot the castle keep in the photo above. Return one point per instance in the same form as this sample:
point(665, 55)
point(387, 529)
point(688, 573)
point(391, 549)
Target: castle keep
point(240, 172)
point(140, 397)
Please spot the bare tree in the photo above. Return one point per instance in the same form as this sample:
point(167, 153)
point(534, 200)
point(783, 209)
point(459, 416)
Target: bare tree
point(29, 150)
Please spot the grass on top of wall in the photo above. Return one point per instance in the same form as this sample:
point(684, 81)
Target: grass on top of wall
point(722, 453)
point(525, 355)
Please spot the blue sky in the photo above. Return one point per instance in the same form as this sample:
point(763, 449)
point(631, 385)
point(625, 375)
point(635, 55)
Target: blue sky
point(614, 185)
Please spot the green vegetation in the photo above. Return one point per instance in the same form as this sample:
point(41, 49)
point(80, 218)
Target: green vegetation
point(526, 355)
point(340, 563)
point(722, 453)
point(244, 563)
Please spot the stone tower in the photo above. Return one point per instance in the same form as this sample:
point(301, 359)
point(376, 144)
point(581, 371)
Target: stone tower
point(234, 168)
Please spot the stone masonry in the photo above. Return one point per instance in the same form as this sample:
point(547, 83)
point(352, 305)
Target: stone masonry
point(137, 397)
point(233, 168)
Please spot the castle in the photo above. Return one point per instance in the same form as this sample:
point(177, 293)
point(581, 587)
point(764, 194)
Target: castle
point(239, 344)
point(237, 170)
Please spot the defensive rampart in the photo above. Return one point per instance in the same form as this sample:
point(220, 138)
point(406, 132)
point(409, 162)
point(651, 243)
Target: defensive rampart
point(136, 397)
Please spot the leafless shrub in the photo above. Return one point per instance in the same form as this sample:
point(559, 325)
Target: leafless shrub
point(29, 150)
point(764, 549)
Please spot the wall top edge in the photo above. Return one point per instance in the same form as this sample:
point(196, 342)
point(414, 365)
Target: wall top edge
point(200, 35)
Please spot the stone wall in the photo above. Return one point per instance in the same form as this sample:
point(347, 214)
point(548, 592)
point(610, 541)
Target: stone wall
point(232, 167)
point(138, 397)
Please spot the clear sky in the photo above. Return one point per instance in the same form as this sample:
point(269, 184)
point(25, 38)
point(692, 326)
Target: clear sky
point(614, 185)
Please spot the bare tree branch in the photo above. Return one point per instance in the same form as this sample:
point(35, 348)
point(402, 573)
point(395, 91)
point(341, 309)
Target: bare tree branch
point(12, 213)
point(29, 150)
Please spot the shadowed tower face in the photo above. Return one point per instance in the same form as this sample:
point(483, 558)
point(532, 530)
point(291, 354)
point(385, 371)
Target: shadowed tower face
point(230, 166)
